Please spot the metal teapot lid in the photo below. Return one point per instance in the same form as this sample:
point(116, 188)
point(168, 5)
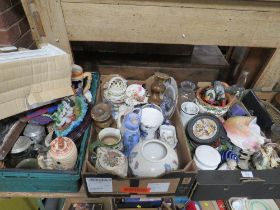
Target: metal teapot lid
point(22, 144)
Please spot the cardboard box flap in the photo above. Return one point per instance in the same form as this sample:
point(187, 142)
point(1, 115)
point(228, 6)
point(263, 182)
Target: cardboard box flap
point(33, 78)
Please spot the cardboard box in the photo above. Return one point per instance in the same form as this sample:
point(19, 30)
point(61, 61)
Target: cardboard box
point(177, 183)
point(33, 78)
point(107, 202)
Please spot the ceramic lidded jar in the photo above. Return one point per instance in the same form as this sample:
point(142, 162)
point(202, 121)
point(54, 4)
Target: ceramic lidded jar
point(158, 88)
point(64, 152)
point(152, 158)
point(102, 115)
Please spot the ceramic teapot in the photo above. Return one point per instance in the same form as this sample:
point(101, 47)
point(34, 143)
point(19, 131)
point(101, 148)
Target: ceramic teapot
point(62, 155)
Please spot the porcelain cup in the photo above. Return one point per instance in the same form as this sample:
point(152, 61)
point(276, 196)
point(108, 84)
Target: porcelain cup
point(188, 111)
point(110, 137)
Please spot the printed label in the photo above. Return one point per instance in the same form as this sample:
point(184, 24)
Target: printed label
point(99, 185)
point(136, 190)
point(247, 174)
point(159, 187)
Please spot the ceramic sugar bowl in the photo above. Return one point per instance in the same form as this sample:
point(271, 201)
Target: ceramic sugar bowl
point(152, 158)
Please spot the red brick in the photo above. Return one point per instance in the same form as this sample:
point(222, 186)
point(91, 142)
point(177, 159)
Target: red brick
point(23, 25)
point(10, 16)
point(25, 40)
point(4, 4)
point(10, 35)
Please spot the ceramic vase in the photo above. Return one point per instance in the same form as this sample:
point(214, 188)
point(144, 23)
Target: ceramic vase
point(152, 159)
point(151, 119)
point(131, 132)
point(158, 88)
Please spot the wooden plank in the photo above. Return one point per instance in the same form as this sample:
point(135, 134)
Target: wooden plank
point(213, 4)
point(80, 194)
point(130, 23)
point(52, 21)
point(271, 75)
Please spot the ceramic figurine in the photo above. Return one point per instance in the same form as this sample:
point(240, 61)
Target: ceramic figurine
point(136, 95)
point(244, 133)
point(78, 77)
point(210, 96)
point(244, 158)
point(152, 158)
point(158, 88)
point(168, 135)
point(266, 158)
point(101, 115)
point(131, 132)
point(151, 119)
point(228, 155)
point(220, 93)
point(111, 161)
point(62, 155)
point(69, 115)
point(228, 165)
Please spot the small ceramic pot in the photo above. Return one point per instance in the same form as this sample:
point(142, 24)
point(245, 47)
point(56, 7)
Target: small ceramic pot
point(152, 158)
point(213, 109)
point(110, 137)
point(188, 111)
point(168, 135)
point(206, 158)
point(61, 156)
point(102, 115)
point(111, 161)
point(115, 90)
point(151, 119)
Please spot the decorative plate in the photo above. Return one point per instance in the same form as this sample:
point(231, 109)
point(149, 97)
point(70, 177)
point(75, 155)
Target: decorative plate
point(204, 128)
point(169, 98)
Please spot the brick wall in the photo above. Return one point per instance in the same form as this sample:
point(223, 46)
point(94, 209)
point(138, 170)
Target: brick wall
point(14, 27)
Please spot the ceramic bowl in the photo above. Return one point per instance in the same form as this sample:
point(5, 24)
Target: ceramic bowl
point(216, 110)
point(206, 158)
point(152, 158)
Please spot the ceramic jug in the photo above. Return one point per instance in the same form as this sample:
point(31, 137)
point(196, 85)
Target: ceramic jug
point(78, 77)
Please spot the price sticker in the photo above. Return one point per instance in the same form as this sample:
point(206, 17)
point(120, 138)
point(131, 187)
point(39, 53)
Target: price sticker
point(99, 185)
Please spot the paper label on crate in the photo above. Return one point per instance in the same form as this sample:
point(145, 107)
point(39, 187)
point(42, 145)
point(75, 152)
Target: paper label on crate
point(159, 187)
point(136, 190)
point(99, 185)
point(247, 174)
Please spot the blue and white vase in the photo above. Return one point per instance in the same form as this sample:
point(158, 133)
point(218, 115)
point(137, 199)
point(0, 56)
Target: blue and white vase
point(131, 132)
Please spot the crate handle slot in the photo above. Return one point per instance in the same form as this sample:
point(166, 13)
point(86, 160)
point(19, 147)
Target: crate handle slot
point(253, 180)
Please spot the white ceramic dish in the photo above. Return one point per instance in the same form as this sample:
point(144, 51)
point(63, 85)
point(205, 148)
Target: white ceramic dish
point(207, 158)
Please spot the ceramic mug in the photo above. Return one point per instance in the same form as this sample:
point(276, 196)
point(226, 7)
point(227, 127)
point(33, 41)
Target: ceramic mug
point(151, 119)
point(78, 76)
point(109, 137)
point(188, 111)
